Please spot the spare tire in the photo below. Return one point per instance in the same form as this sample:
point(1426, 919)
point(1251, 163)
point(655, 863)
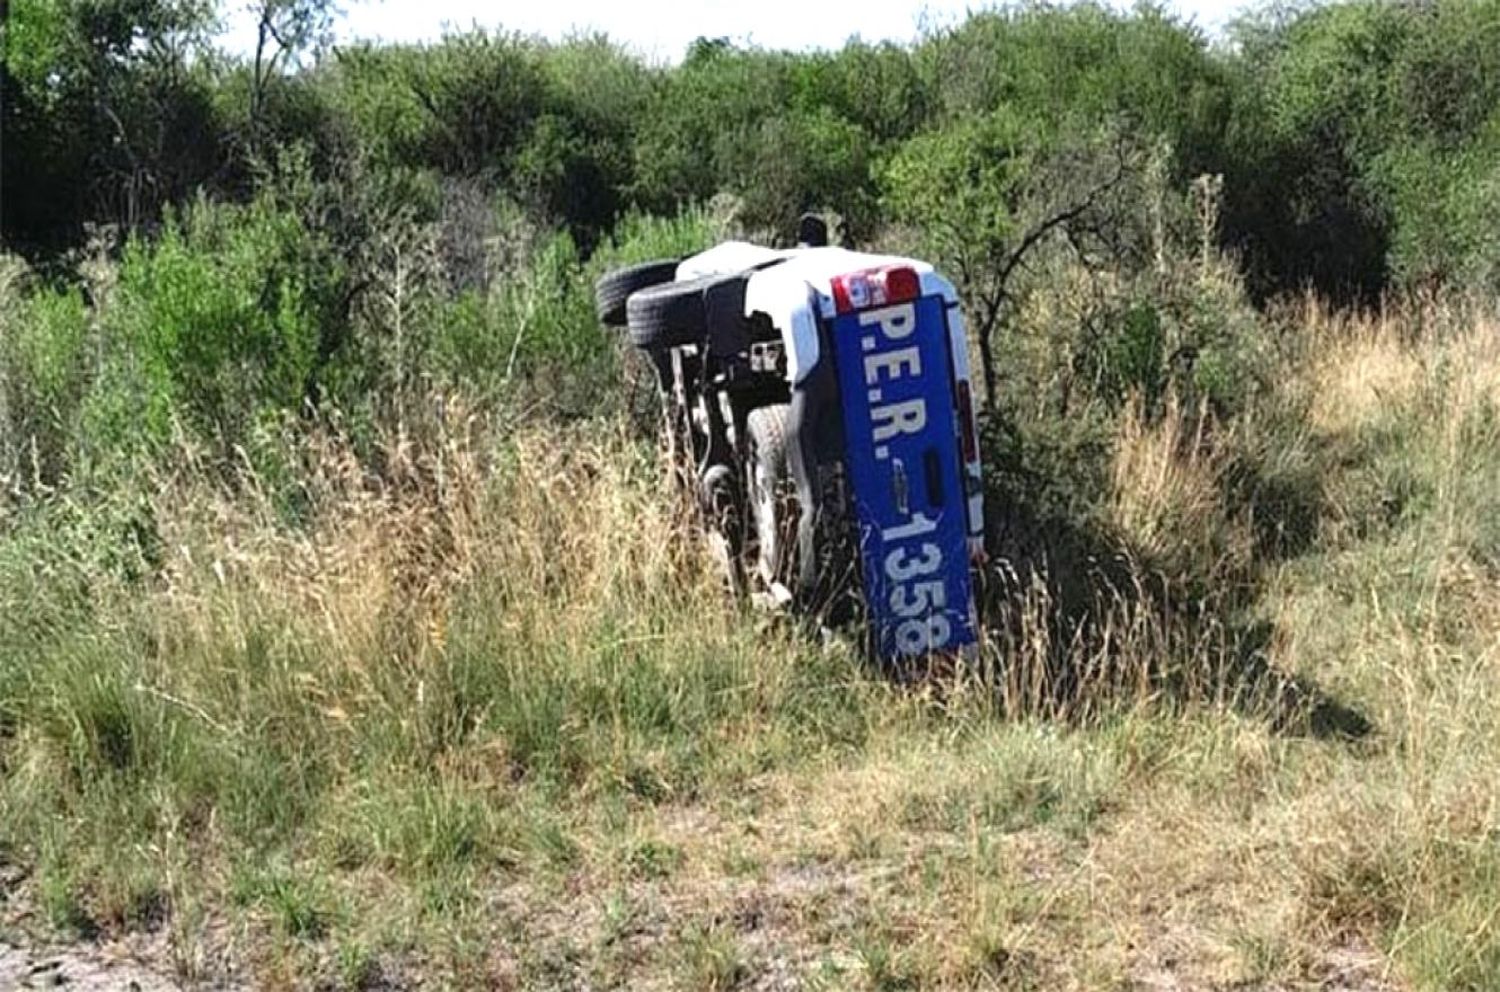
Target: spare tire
point(614, 288)
point(669, 315)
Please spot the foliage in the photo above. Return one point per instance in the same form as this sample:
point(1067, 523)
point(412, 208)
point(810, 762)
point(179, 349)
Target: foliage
point(107, 114)
point(44, 364)
point(339, 605)
point(353, 735)
point(215, 322)
point(1357, 140)
point(1373, 143)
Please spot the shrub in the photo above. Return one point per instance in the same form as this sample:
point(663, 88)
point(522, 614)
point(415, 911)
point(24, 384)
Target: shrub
point(536, 330)
point(536, 319)
point(215, 323)
point(1371, 147)
point(43, 373)
point(791, 163)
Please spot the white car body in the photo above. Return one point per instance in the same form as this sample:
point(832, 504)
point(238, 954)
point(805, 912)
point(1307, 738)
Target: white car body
point(798, 289)
point(794, 288)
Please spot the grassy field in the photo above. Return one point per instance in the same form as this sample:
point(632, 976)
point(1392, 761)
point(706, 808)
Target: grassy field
point(490, 722)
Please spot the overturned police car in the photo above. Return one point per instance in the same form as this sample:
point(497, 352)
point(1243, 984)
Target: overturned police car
point(819, 406)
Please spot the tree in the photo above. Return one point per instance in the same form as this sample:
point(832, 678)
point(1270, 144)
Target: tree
point(986, 193)
point(285, 31)
point(106, 113)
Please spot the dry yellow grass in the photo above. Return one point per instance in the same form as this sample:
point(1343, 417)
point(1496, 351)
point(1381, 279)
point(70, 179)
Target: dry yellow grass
point(1360, 369)
point(1167, 494)
point(490, 724)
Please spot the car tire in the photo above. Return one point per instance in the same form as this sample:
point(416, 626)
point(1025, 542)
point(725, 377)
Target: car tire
point(613, 288)
point(669, 315)
point(771, 497)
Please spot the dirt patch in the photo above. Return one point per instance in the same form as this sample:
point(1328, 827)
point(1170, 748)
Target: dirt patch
point(138, 961)
point(106, 967)
point(1354, 967)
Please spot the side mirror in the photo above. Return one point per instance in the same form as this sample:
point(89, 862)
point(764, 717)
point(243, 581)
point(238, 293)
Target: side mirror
point(812, 231)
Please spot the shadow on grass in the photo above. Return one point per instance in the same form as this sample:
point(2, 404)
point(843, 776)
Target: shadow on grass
point(1294, 706)
point(1077, 623)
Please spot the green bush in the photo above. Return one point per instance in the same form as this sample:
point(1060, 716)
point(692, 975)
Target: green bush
point(642, 237)
point(215, 324)
point(795, 162)
point(1372, 145)
point(698, 117)
point(549, 126)
point(877, 88)
point(1447, 205)
point(44, 370)
point(537, 319)
point(536, 330)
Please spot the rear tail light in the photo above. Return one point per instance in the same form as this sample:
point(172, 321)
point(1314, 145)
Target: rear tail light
point(875, 288)
point(967, 438)
point(901, 285)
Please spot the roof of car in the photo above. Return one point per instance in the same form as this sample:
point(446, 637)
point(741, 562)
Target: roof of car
point(778, 271)
point(793, 287)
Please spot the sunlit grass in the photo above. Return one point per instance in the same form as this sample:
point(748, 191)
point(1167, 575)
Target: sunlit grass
point(490, 719)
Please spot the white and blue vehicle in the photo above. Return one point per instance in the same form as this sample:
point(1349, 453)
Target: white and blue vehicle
point(819, 403)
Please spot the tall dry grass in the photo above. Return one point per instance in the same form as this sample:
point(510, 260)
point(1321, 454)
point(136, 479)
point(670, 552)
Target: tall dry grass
point(486, 714)
point(416, 680)
point(1345, 831)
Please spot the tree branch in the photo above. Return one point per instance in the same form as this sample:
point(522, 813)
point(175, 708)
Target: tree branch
point(994, 301)
point(1065, 216)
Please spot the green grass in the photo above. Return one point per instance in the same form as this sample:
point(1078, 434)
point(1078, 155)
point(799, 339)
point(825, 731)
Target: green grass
point(493, 723)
